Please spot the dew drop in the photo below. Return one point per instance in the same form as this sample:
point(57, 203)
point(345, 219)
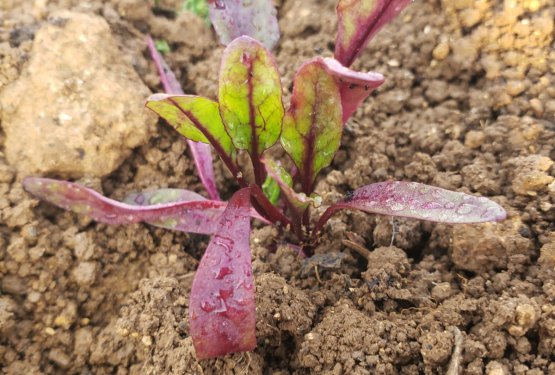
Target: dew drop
point(207, 306)
point(449, 205)
point(492, 213)
point(223, 272)
point(464, 209)
point(226, 293)
point(396, 206)
point(140, 199)
point(424, 191)
point(431, 205)
point(226, 243)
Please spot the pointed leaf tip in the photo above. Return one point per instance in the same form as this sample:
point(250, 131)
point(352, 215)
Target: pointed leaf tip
point(357, 23)
point(222, 304)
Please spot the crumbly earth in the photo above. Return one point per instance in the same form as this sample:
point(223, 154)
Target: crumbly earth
point(468, 104)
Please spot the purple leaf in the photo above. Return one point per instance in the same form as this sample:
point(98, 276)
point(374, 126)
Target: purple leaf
point(200, 151)
point(358, 21)
point(254, 18)
point(418, 201)
point(354, 86)
point(177, 222)
point(199, 216)
point(221, 307)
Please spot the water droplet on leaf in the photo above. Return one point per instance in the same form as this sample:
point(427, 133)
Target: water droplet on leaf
point(207, 306)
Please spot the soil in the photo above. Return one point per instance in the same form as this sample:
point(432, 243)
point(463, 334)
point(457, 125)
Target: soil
point(468, 104)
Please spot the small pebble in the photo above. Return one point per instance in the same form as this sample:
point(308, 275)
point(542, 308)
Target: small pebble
point(515, 88)
point(441, 291)
point(470, 17)
point(441, 51)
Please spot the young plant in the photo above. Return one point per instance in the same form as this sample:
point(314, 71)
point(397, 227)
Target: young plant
point(249, 116)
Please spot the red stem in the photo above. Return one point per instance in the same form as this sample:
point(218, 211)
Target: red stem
point(268, 210)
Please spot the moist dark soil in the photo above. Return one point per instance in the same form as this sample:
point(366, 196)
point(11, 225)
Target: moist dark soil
point(468, 104)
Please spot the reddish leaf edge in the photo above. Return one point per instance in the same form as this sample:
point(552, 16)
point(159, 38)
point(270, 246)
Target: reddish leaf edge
point(354, 86)
point(417, 201)
point(201, 152)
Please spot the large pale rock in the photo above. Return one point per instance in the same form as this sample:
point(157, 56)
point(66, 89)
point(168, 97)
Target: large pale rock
point(77, 108)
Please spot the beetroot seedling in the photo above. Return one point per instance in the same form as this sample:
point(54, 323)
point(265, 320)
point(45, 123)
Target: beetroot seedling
point(249, 117)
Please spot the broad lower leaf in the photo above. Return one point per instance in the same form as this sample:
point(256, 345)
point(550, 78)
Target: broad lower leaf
point(254, 18)
point(354, 86)
point(358, 21)
point(250, 96)
point(313, 124)
point(198, 216)
point(221, 307)
point(201, 152)
point(418, 201)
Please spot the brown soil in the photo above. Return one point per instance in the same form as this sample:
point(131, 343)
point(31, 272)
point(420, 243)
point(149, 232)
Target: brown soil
point(469, 104)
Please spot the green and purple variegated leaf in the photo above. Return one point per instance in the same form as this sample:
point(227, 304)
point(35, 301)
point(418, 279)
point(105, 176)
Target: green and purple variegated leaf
point(250, 96)
point(222, 317)
point(201, 152)
point(313, 124)
point(254, 18)
point(418, 201)
point(358, 21)
point(195, 117)
point(354, 86)
point(198, 216)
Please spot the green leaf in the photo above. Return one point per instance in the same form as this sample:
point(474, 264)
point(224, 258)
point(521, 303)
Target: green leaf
point(162, 46)
point(271, 190)
point(313, 124)
point(198, 7)
point(195, 117)
point(250, 96)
